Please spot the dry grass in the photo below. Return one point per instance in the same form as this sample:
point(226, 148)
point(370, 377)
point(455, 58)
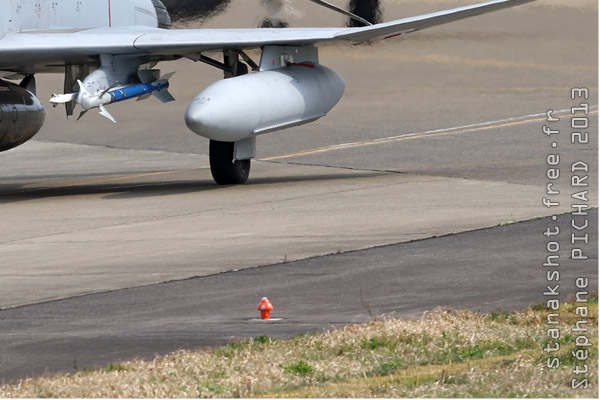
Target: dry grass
point(442, 354)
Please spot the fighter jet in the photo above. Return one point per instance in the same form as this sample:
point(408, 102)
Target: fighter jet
point(108, 51)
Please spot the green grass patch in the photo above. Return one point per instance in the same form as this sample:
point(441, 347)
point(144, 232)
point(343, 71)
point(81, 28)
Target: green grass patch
point(454, 353)
point(300, 368)
point(115, 367)
point(387, 367)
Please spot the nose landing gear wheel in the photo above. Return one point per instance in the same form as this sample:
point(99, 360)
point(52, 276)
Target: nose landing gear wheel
point(224, 170)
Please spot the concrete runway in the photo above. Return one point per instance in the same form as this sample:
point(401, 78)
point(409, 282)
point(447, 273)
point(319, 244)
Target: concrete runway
point(439, 133)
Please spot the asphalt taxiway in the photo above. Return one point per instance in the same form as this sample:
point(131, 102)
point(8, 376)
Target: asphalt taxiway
point(115, 242)
point(490, 269)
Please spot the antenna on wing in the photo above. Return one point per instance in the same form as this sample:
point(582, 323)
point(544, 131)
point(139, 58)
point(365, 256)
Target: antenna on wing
point(341, 11)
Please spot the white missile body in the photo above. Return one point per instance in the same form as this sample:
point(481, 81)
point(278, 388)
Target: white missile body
point(87, 101)
point(238, 108)
point(140, 90)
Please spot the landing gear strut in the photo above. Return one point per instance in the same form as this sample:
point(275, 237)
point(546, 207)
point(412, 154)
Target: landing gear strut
point(226, 169)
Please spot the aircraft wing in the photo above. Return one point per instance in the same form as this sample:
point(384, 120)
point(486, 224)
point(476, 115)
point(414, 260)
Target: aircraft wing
point(194, 40)
point(37, 51)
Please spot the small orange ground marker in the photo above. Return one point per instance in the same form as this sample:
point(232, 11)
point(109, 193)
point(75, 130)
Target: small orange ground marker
point(265, 307)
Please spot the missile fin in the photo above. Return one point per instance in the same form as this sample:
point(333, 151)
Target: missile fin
point(63, 98)
point(148, 75)
point(168, 76)
point(104, 112)
point(81, 114)
point(82, 88)
point(163, 95)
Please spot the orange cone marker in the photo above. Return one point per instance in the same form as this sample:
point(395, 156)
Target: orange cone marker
point(265, 307)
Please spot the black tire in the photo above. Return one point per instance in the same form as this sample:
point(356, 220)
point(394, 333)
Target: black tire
point(224, 170)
